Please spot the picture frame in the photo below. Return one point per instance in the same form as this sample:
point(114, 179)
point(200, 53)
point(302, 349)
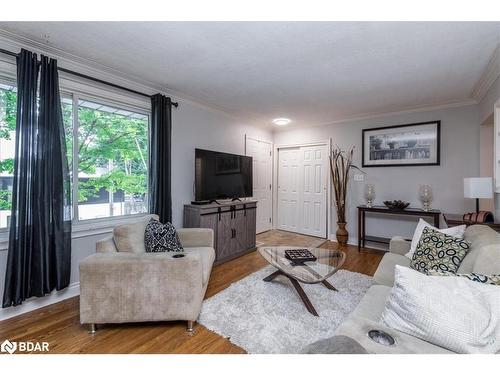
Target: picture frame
point(408, 145)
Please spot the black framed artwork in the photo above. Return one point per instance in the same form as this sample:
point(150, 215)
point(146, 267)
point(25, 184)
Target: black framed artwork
point(402, 145)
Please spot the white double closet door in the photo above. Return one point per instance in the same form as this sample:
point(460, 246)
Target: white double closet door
point(302, 189)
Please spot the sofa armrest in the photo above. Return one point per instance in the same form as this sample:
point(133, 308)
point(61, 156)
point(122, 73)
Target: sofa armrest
point(399, 245)
point(196, 237)
point(106, 245)
point(127, 287)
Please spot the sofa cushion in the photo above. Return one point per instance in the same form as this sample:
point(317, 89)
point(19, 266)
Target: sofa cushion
point(129, 238)
point(385, 271)
point(488, 260)
point(160, 238)
point(207, 255)
point(483, 256)
point(426, 307)
point(373, 303)
point(438, 251)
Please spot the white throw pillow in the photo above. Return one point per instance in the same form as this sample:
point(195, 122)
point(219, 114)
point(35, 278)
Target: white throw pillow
point(452, 312)
point(453, 231)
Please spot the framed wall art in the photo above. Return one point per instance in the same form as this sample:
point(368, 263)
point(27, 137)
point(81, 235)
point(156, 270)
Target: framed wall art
point(402, 145)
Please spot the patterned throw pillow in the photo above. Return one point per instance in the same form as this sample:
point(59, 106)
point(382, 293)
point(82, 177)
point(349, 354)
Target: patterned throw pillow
point(160, 237)
point(438, 251)
point(485, 279)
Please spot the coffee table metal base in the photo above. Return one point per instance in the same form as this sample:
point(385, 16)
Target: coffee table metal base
point(300, 291)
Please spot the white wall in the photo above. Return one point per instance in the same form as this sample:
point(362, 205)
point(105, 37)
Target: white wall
point(193, 126)
point(197, 127)
point(459, 159)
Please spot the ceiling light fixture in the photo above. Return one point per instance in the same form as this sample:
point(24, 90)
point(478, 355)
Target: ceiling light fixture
point(281, 121)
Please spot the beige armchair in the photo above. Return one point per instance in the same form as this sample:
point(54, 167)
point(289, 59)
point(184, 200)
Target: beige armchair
point(118, 287)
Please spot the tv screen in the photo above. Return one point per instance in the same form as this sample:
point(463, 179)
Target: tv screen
point(219, 175)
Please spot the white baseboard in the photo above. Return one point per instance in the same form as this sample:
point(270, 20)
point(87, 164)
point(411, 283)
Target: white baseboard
point(35, 303)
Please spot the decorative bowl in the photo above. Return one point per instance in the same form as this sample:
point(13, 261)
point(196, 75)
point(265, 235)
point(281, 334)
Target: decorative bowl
point(396, 204)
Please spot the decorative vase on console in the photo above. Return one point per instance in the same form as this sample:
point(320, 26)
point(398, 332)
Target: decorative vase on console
point(426, 197)
point(340, 165)
point(369, 194)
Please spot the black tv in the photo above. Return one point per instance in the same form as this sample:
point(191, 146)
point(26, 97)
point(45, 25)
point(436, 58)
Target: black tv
point(219, 175)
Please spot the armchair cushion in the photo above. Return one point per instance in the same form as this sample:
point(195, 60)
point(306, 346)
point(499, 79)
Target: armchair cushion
point(129, 238)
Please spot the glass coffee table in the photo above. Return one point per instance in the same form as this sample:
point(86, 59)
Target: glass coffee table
point(312, 272)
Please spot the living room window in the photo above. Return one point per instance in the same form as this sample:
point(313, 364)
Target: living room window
point(111, 156)
point(107, 148)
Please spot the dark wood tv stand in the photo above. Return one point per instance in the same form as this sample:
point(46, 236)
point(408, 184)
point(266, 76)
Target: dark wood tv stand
point(233, 222)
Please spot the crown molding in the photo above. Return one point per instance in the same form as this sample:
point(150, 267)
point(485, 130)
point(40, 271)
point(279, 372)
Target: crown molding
point(374, 115)
point(489, 76)
point(15, 42)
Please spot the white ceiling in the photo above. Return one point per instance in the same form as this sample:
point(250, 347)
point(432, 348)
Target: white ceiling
point(313, 73)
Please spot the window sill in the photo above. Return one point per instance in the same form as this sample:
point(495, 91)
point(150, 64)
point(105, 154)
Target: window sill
point(86, 228)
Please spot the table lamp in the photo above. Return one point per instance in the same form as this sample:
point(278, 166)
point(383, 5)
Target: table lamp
point(478, 187)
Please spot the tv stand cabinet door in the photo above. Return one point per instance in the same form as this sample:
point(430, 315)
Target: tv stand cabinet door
point(240, 233)
point(224, 248)
point(250, 228)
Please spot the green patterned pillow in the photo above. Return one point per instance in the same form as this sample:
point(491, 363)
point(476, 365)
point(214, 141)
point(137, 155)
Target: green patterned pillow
point(438, 251)
point(485, 279)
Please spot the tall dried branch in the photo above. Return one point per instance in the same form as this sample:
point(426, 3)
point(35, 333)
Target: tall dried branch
point(340, 167)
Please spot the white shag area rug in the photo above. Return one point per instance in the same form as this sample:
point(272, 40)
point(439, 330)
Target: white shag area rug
point(270, 317)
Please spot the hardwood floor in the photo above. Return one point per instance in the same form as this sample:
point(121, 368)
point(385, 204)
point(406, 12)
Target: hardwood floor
point(59, 324)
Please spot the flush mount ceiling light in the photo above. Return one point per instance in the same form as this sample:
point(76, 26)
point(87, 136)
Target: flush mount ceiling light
point(281, 121)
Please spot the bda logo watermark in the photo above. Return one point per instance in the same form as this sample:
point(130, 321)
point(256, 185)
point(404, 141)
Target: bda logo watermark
point(8, 347)
point(23, 346)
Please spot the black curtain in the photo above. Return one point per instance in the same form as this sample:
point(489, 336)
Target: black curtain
point(39, 255)
point(160, 167)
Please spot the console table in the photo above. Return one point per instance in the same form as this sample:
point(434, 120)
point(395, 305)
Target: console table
point(362, 210)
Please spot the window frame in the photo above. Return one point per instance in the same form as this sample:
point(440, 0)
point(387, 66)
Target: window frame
point(73, 90)
point(77, 97)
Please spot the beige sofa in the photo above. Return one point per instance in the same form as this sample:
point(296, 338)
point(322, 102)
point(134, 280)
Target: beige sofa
point(484, 258)
point(118, 287)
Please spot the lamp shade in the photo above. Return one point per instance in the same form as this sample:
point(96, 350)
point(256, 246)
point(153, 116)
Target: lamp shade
point(478, 187)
